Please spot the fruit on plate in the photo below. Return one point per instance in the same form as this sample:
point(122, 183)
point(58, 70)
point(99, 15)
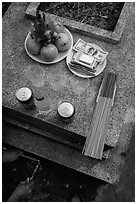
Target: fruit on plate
point(55, 26)
point(44, 32)
point(47, 39)
point(49, 52)
point(62, 42)
point(33, 46)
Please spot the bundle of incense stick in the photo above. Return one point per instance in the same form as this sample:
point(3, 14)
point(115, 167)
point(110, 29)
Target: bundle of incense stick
point(95, 141)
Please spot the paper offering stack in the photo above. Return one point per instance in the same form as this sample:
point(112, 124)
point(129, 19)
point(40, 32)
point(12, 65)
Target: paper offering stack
point(87, 57)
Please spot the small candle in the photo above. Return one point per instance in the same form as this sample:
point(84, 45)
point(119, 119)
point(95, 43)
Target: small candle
point(66, 110)
point(25, 96)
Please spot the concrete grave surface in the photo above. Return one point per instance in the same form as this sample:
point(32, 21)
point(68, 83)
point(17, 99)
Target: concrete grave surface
point(19, 70)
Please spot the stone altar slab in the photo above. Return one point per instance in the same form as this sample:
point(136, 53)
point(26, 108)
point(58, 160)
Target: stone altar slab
point(16, 66)
point(55, 82)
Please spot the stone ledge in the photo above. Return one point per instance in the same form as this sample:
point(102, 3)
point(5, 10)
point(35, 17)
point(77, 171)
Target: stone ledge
point(101, 34)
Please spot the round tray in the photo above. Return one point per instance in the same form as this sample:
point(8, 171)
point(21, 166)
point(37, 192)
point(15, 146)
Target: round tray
point(60, 56)
point(98, 69)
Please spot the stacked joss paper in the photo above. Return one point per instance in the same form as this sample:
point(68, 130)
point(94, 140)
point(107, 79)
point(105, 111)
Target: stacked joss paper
point(87, 57)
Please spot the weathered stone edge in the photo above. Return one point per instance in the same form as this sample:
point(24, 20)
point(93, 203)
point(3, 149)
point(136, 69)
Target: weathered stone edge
point(101, 34)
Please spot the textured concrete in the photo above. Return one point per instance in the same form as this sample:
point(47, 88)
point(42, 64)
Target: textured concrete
point(124, 189)
point(52, 179)
point(20, 70)
point(100, 34)
point(56, 82)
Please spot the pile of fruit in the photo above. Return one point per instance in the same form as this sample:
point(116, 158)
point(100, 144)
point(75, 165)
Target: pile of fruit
point(47, 39)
